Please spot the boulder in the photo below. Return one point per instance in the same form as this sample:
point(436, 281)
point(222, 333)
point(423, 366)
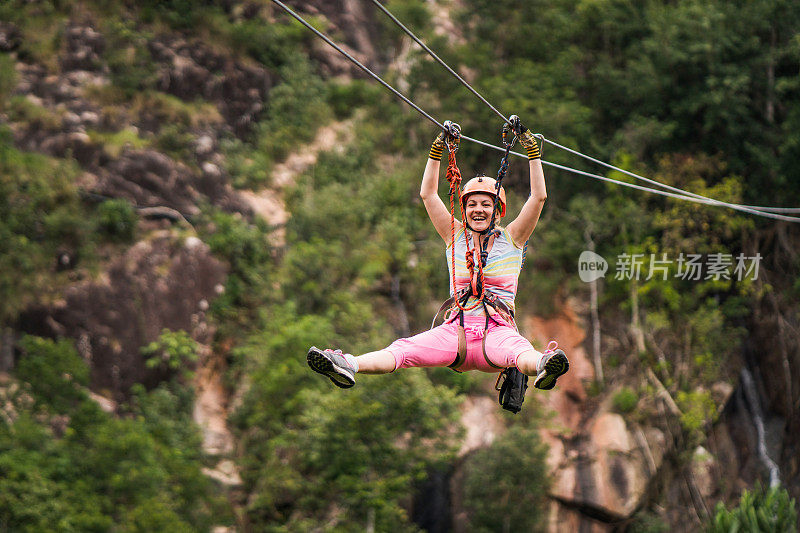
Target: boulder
point(192, 70)
point(83, 47)
point(150, 178)
point(10, 37)
point(162, 282)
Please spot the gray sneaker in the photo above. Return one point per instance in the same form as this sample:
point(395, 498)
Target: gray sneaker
point(554, 363)
point(332, 363)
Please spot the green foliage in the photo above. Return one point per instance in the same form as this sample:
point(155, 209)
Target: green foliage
point(21, 109)
point(89, 471)
point(273, 45)
point(41, 214)
point(249, 284)
point(115, 142)
point(8, 78)
point(175, 141)
point(759, 511)
point(345, 98)
point(54, 371)
point(697, 410)
point(248, 167)
point(117, 220)
point(648, 522)
point(128, 58)
point(178, 14)
point(625, 400)
point(296, 108)
point(505, 484)
point(41, 25)
point(174, 351)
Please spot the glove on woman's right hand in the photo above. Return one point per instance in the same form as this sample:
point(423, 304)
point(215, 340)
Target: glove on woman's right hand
point(437, 147)
point(439, 144)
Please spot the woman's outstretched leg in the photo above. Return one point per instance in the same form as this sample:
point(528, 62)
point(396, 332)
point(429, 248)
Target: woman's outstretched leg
point(379, 362)
point(342, 368)
point(545, 367)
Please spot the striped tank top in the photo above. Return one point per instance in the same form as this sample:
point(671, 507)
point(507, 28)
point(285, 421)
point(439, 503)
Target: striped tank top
point(501, 274)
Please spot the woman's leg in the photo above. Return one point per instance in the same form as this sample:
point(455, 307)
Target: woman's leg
point(528, 362)
point(379, 362)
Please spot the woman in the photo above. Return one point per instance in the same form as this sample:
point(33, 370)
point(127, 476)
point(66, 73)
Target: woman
point(479, 333)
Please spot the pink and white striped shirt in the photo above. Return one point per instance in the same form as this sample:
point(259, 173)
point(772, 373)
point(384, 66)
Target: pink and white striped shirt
point(501, 274)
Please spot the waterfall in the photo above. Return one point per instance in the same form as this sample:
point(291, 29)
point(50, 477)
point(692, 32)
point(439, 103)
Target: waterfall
point(751, 395)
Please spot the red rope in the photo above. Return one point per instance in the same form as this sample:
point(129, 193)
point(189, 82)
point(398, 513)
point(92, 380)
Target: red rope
point(454, 179)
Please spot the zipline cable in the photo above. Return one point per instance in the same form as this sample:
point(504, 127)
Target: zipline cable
point(684, 196)
point(356, 62)
point(713, 201)
point(748, 208)
point(440, 61)
point(700, 200)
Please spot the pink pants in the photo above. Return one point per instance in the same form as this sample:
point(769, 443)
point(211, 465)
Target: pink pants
point(439, 346)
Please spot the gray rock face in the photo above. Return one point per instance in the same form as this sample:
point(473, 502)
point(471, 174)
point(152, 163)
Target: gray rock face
point(114, 316)
point(83, 47)
point(148, 178)
point(10, 37)
point(191, 70)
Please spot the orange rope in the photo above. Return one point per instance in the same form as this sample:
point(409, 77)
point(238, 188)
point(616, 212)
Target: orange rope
point(454, 179)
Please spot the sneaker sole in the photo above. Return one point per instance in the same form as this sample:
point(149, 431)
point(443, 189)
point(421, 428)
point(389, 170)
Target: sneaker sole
point(554, 368)
point(322, 365)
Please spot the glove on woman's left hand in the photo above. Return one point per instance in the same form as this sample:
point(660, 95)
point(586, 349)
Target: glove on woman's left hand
point(525, 137)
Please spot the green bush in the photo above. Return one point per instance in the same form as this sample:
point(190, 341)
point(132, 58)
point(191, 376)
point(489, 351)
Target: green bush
point(625, 400)
point(697, 410)
point(117, 220)
point(54, 371)
point(130, 62)
point(175, 141)
point(174, 351)
point(346, 98)
point(96, 472)
point(505, 484)
point(8, 78)
point(759, 511)
point(296, 109)
point(41, 214)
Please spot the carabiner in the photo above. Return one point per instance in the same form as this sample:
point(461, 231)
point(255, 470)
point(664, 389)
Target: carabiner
point(504, 135)
point(452, 135)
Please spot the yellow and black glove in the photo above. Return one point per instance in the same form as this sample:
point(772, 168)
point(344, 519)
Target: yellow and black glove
point(450, 134)
point(526, 138)
point(437, 147)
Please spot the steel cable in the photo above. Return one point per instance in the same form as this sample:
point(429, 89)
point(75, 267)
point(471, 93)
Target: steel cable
point(683, 195)
point(711, 201)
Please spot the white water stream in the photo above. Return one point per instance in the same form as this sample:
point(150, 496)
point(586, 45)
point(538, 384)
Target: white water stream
point(751, 395)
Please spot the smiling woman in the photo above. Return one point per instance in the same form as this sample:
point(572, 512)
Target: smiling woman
point(479, 332)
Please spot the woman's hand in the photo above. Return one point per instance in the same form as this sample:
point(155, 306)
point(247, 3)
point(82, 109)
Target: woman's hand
point(525, 137)
point(451, 134)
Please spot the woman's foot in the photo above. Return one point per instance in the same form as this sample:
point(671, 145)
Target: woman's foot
point(554, 363)
point(339, 367)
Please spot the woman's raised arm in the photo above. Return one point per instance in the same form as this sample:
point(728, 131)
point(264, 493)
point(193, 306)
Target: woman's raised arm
point(522, 226)
point(429, 191)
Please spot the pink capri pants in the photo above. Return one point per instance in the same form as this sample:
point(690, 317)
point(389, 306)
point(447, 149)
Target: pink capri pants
point(439, 346)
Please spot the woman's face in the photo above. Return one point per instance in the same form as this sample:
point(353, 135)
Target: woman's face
point(478, 210)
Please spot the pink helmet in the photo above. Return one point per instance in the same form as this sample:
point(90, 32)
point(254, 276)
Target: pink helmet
point(486, 185)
